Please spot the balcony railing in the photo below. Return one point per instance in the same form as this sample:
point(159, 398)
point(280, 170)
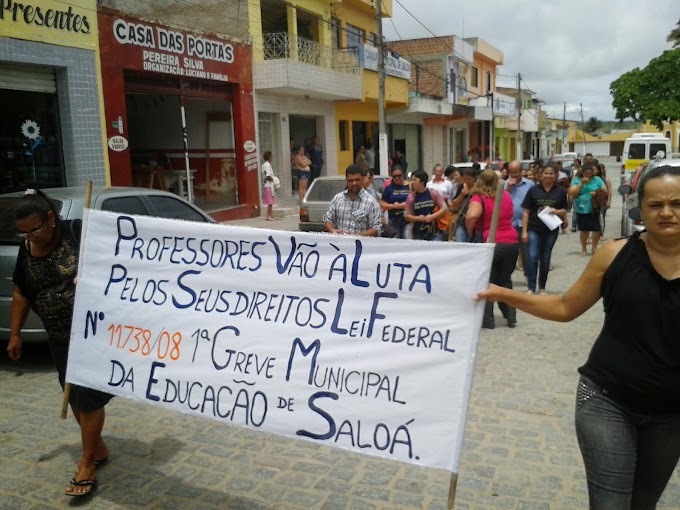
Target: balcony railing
point(282, 45)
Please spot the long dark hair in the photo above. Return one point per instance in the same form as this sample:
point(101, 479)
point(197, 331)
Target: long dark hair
point(35, 202)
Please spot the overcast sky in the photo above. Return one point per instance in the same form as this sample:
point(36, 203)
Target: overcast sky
point(566, 50)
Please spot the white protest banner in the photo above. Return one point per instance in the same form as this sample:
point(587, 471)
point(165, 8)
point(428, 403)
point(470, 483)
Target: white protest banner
point(363, 344)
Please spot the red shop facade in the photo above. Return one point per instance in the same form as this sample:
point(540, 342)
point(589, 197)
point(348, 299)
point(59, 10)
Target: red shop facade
point(180, 104)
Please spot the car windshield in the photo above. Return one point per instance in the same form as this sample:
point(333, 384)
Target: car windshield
point(8, 231)
point(325, 190)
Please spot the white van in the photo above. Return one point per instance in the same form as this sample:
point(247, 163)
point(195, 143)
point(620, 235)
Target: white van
point(641, 148)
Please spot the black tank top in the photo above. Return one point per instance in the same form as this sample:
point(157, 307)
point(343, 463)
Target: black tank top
point(636, 357)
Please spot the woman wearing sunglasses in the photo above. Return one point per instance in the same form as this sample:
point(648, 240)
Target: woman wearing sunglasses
point(44, 281)
point(393, 201)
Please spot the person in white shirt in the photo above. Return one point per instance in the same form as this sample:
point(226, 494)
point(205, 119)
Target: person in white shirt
point(438, 182)
point(268, 185)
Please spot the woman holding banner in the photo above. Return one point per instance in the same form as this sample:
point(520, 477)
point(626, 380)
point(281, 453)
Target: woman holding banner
point(44, 279)
point(628, 395)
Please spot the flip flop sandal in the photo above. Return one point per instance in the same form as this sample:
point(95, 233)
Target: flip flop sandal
point(83, 483)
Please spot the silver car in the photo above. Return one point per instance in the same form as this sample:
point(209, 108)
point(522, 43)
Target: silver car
point(631, 220)
point(69, 203)
point(317, 199)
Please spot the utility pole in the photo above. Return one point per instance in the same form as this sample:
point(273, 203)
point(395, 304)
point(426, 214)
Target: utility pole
point(382, 122)
point(492, 153)
point(519, 154)
point(564, 127)
point(583, 129)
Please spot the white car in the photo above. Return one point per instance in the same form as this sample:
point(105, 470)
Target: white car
point(631, 221)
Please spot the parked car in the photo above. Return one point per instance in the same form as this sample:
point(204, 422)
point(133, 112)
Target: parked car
point(70, 203)
point(631, 221)
point(317, 199)
point(526, 164)
point(468, 164)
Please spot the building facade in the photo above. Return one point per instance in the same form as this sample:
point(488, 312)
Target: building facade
point(179, 111)
point(50, 90)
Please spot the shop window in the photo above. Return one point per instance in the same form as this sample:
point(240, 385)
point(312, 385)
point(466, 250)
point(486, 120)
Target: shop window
point(343, 131)
point(474, 79)
point(30, 142)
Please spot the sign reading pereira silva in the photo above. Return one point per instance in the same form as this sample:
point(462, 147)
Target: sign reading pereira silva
point(360, 343)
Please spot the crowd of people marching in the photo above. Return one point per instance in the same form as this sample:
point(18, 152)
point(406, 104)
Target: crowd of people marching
point(456, 204)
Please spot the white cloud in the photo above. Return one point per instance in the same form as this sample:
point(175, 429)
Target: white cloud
point(566, 51)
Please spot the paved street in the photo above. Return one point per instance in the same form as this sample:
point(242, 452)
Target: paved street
point(520, 449)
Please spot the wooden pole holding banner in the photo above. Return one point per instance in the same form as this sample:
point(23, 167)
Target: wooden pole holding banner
point(491, 239)
point(67, 386)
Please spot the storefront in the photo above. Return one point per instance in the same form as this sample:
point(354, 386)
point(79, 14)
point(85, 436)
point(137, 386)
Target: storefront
point(179, 114)
point(50, 129)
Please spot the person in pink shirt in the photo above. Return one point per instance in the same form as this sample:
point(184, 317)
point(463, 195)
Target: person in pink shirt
point(478, 221)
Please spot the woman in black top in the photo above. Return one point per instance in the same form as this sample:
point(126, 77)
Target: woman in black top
point(628, 396)
point(44, 282)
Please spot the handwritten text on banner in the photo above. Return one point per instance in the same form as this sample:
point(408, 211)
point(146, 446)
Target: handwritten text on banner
point(362, 344)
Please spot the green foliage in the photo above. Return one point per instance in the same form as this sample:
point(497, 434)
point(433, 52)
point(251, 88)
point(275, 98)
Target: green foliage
point(649, 94)
point(674, 36)
point(593, 124)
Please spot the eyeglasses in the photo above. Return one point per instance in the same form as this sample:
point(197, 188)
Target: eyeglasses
point(397, 176)
point(24, 235)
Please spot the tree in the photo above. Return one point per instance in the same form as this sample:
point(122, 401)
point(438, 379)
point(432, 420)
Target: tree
point(593, 124)
point(649, 94)
point(674, 36)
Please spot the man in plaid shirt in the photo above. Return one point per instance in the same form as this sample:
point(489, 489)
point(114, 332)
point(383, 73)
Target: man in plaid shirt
point(354, 211)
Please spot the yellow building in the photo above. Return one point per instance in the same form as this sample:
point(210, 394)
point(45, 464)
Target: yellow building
point(670, 131)
point(51, 131)
point(312, 77)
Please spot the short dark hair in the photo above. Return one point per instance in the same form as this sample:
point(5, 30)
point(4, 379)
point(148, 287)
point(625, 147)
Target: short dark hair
point(421, 175)
point(267, 155)
point(396, 167)
point(587, 167)
point(449, 170)
point(579, 161)
point(353, 170)
point(655, 173)
point(470, 172)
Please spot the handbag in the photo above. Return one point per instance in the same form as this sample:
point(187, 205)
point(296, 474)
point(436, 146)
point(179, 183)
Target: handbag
point(277, 183)
point(599, 200)
point(443, 222)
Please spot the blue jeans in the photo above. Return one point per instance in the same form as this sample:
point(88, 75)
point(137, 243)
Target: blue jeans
point(461, 234)
point(540, 248)
point(401, 227)
point(629, 457)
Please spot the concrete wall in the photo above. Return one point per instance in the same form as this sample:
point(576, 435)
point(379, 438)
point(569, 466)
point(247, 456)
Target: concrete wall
point(203, 16)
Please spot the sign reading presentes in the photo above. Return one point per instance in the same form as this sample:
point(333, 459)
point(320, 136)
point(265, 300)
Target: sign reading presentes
point(362, 344)
point(72, 23)
point(172, 52)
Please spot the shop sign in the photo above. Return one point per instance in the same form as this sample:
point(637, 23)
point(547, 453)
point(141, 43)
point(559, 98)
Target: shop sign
point(394, 64)
point(504, 106)
point(249, 146)
point(118, 143)
point(172, 52)
point(72, 23)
